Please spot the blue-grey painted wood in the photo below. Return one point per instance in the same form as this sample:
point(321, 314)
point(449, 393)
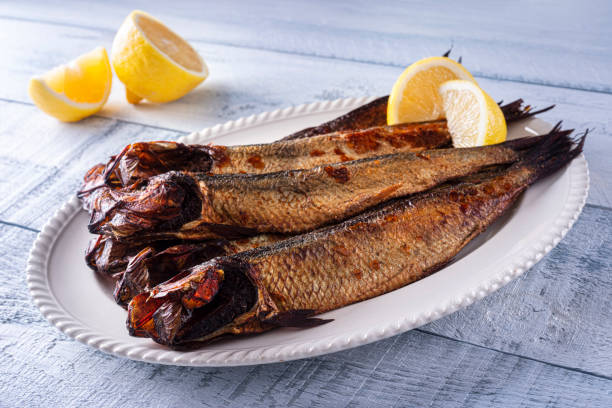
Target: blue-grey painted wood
point(244, 82)
point(41, 367)
point(546, 42)
point(292, 79)
point(43, 161)
point(556, 312)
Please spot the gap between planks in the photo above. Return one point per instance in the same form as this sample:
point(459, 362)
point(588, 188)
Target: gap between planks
point(578, 370)
point(105, 117)
point(12, 224)
point(312, 55)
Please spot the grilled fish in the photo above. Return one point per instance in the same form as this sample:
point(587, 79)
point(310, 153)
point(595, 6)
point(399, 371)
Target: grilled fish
point(139, 161)
point(284, 284)
point(366, 116)
point(154, 264)
point(198, 206)
point(110, 257)
point(358, 134)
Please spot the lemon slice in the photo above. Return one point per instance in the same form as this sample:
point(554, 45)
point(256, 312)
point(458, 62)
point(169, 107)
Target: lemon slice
point(415, 97)
point(76, 90)
point(474, 119)
point(153, 62)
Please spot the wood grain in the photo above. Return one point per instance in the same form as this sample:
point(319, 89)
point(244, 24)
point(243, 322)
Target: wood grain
point(43, 161)
point(39, 366)
point(518, 41)
point(556, 312)
point(246, 83)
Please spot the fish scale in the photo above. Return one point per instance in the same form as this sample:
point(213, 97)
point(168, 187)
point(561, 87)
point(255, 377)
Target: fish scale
point(331, 272)
point(139, 161)
point(332, 148)
point(284, 202)
point(381, 250)
point(312, 198)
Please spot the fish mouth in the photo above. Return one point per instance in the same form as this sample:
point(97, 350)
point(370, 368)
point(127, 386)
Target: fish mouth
point(194, 305)
point(149, 268)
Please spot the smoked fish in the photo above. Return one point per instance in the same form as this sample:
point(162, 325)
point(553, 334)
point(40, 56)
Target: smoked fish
point(139, 161)
point(360, 133)
point(199, 206)
point(154, 264)
point(386, 248)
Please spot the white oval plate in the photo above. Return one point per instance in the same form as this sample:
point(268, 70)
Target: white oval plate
point(71, 297)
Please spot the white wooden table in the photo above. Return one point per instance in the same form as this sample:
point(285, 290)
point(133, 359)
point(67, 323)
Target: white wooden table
point(543, 340)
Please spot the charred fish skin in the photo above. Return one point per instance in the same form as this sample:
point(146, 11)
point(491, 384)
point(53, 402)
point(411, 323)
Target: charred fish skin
point(364, 127)
point(226, 290)
point(369, 115)
point(122, 212)
point(139, 161)
point(371, 254)
point(149, 267)
point(157, 263)
point(109, 257)
point(285, 202)
point(335, 147)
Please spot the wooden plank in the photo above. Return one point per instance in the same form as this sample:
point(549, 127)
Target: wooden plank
point(242, 81)
point(43, 161)
point(545, 42)
point(41, 367)
point(559, 311)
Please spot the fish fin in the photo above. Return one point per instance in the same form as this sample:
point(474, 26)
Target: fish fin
point(556, 150)
point(447, 53)
point(524, 145)
point(516, 110)
point(111, 167)
point(296, 318)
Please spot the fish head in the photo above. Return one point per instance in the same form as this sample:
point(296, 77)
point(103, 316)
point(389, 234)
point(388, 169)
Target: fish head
point(139, 161)
point(160, 203)
point(201, 303)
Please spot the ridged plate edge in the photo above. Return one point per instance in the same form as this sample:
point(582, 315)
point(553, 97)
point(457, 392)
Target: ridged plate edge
point(38, 282)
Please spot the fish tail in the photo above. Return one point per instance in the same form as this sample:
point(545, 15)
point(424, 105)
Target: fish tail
point(516, 110)
point(555, 150)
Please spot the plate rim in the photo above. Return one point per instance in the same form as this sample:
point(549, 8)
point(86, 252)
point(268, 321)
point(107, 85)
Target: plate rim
point(52, 310)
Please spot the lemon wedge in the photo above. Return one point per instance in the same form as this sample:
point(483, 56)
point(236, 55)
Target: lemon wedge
point(76, 90)
point(474, 119)
point(153, 62)
point(415, 97)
